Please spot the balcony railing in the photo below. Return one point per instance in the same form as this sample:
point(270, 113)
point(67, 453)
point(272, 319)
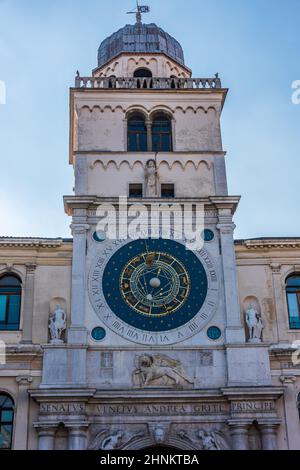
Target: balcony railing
point(147, 83)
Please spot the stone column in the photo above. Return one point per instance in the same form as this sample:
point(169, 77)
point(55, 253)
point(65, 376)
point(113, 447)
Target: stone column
point(234, 329)
point(77, 437)
point(28, 303)
point(239, 436)
point(46, 437)
point(22, 410)
point(268, 436)
point(149, 135)
point(77, 333)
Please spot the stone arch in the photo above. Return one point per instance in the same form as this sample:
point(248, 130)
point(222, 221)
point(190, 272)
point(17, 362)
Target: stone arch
point(170, 442)
point(136, 109)
point(12, 271)
point(161, 109)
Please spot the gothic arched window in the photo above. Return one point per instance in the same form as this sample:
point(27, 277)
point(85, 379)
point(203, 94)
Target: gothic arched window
point(137, 134)
point(161, 134)
point(6, 421)
point(10, 302)
point(293, 300)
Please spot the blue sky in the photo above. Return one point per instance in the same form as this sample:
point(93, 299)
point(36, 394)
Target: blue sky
point(253, 44)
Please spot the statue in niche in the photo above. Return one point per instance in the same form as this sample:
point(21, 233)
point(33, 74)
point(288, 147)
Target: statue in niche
point(57, 324)
point(151, 178)
point(160, 370)
point(213, 440)
point(254, 323)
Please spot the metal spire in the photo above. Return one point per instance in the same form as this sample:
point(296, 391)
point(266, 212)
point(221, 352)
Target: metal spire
point(138, 11)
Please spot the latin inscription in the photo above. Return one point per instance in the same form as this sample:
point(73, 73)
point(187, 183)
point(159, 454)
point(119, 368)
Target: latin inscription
point(163, 409)
point(253, 407)
point(62, 408)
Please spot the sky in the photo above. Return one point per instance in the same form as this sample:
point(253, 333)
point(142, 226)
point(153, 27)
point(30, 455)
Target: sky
point(252, 44)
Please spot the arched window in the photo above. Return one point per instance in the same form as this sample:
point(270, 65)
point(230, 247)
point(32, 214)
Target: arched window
point(10, 302)
point(293, 300)
point(161, 134)
point(142, 73)
point(6, 421)
point(137, 134)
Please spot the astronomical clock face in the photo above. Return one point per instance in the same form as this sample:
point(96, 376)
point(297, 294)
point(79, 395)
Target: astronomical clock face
point(153, 291)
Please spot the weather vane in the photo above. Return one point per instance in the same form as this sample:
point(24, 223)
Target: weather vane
point(138, 11)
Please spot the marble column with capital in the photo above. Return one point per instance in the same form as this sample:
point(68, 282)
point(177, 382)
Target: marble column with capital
point(77, 333)
point(28, 303)
point(234, 328)
point(22, 411)
point(268, 434)
point(77, 437)
point(239, 433)
point(46, 437)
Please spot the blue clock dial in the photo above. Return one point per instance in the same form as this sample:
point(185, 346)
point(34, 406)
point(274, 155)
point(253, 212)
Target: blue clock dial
point(155, 284)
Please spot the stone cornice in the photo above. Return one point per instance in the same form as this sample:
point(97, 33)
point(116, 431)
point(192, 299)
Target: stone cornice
point(269, 243)
point(32, 242)
point(24, 349)
point(91, 201)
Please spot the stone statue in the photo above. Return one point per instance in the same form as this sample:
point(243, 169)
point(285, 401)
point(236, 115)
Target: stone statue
point(214, 440)
point(160, 370)
point(254, 324)
point(151, 177)
point(57, 324)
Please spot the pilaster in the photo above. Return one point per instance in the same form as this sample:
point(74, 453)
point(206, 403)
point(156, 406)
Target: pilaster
point(234, 329)
point(28, 303)
point(22, 411)
point(77, 333)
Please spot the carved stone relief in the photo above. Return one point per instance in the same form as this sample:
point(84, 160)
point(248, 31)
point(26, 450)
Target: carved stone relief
point(160, 371)
point(114, 439)
point(204, 439)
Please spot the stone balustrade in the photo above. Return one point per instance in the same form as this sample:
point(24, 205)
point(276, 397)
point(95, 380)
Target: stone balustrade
point(147, 83)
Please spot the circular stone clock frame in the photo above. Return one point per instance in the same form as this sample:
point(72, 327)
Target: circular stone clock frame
point(144, 336)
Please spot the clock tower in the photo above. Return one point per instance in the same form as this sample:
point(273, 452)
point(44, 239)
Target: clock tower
point(156, 352)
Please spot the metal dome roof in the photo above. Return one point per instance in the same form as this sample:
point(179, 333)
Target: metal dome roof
point(140, 37)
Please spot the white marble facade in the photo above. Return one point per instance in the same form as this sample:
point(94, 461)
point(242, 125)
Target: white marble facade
point(238, 391)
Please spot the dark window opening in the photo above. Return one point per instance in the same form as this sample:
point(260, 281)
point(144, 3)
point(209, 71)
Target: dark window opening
point(135, 190)
point(6, 422)
point(293, 300)
point(161, 134)
point(10, 303)
point(167, 190)
point(137, 134)
point(112, 81)
point(142, 73)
